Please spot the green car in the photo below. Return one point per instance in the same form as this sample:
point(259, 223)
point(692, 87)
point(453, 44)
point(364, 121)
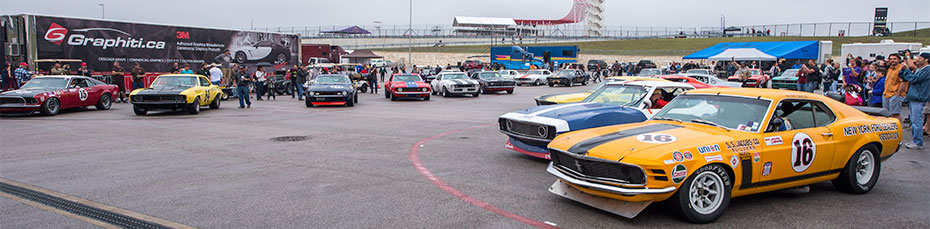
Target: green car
point(787, 79)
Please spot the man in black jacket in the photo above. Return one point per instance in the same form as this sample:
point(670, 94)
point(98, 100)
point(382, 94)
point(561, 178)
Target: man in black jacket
point(813, 76)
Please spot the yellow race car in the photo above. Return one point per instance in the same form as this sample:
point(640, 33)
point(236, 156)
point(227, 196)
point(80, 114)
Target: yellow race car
point(577, 97)
point(176, 92)
point(709, 145)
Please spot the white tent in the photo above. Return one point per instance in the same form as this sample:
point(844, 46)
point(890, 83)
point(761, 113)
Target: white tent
point(742, 54)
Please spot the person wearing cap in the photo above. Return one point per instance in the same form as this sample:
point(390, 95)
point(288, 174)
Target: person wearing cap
point(83, 71)
point(243, 80)
point(137, 72)
point(216, 74)
point(21, 75)
point(917, 74)
point(56, 70)
point(224, 59)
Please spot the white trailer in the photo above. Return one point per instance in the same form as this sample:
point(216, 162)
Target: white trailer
point(869, 51)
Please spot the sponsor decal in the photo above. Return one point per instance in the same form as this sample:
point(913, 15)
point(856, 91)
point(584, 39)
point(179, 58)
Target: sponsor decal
point(508, 145)
point(678, 157)
point(656, 138)
point(742, 127)
point(713, 158)
point(767, 169)
point(742, 145)
point(803, 152)
point(709, 149)
point(756, 157)
point(745, 156)
point(679, 173)
point(82, 94)
point(888, 136)
point(669, 161)
point(734, 161)
point(688, 155)
point(868, 129)
point(56, 33)
point(773, 141)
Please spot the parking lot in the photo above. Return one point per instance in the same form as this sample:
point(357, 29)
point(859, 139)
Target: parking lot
point(413, 164)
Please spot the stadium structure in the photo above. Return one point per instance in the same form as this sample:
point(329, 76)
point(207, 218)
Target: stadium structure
point(585, 13)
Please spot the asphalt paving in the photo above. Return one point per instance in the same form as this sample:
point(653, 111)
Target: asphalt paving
point(222, 169)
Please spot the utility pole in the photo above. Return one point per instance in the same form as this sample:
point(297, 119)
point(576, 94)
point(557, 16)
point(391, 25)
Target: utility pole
point(410, 36)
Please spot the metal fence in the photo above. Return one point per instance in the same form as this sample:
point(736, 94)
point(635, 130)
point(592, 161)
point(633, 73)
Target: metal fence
point(910, 29)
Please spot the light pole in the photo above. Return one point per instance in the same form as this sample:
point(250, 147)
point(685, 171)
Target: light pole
point(410, 36)
point(103, 11)
point(378, 26)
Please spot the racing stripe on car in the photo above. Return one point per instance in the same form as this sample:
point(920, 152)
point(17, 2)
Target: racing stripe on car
point(411, 84)
point(543, 111)
point(583, 146)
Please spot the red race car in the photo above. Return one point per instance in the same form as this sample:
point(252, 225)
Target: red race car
point(402, 86)
point(50, 94)
point(688, 80)
point(758, 79)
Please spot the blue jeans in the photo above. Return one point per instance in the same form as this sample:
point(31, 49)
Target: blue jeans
point(215, 82)
point(137, 85)
point(801, 86)
point(833, 87)
point(917, 121)
point(259, 87)
point(810, 87)
point(243, 92)
point(299, 90)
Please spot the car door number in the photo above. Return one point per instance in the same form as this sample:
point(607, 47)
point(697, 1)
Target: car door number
point(82, 94)
point(803, 151)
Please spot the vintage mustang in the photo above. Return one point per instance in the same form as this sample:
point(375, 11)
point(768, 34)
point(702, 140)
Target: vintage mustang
point(577, 97)
point(568, 77)
point(530, 130)
point(534, 77)
point(493, 82)
point(454, 83)
point(406, 86)
point(709, 145)
point(176, 92)
point(756, 79)
point(331, 90)
point(787, 79)
point(50, 94)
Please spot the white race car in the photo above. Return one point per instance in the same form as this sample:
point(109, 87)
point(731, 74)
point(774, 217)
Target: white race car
point(264, 51)
point(534, 77)
point(712, 80)
point(511, 74)
point(454, 83)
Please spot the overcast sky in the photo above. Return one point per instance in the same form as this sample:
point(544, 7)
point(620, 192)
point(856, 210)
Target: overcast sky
point(273, 13)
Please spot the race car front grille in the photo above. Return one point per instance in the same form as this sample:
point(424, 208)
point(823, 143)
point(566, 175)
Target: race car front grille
point(527, 129)
point(6, 100)
point(327, 93)
point(410, 89)
point(597, 170)
point(784, 81)
point(509, 83)
point(161, 98)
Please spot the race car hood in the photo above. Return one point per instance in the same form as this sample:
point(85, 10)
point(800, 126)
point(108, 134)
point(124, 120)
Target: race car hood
point(461, 82)
point(399, 84)
point(31, 92)
point(576, 116)
point(330, 87)
point(162, 91)
point(565, 98)
point(530, 76)
point(792, 78)
point(641, 141)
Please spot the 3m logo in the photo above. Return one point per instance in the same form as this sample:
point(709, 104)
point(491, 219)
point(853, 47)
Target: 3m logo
point(56, 34)
point(183, 35)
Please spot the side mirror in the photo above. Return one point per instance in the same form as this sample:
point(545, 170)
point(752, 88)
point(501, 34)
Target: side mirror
point(647, 104)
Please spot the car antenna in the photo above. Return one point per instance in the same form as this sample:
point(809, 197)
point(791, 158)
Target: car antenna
point(760, 97)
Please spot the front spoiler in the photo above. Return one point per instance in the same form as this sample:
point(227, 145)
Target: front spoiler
point(606, 188)
point(619, 207)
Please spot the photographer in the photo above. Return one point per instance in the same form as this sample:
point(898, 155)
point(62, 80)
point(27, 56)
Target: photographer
point(918, 94)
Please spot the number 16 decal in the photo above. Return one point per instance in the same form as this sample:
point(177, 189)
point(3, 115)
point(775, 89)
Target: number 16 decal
point(803, 151)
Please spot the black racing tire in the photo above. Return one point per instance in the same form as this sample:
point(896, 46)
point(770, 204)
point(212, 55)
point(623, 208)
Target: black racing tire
point(481, 90)
point(445, 92)
point(355, 98)
point(364, 89)
point(510, 91)
point(584, 82)
point(350, 102)
point(215, 104)
point(387, 94)
point(104, 102)
point(720, 181)
point(224, 96)
point(50, 107)
point(194, 108)
point(393, 98)
point(307, 102)
point(537, 83)
point(861, 171)
point(139, 110)
point(551, 85)
point(426, 98)
point(569, 84)
point(241, 57)
point(476, 94)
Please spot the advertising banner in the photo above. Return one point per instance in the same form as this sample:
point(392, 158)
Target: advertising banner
point(156, 47)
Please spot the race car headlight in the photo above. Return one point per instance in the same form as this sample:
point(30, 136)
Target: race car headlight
point(181, 98)
point(342, 93)
point(316, 93)
point(136, 98)
point(423, 89)
point(32, 100)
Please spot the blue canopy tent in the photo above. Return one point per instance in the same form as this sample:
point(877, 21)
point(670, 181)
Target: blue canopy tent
point(355, 30)
point(778, 49)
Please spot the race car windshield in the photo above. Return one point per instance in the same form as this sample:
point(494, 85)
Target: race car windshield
point(50, 83)
point(489, 75)
point(565, 73)
point(697, 71)
point(407, 78)
point(738, 113)
point(618, 95)
point(649, 72)
point(790, 73)
point(332, 80)
point(455, 77)
point(174, 82)
point(755, 72)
